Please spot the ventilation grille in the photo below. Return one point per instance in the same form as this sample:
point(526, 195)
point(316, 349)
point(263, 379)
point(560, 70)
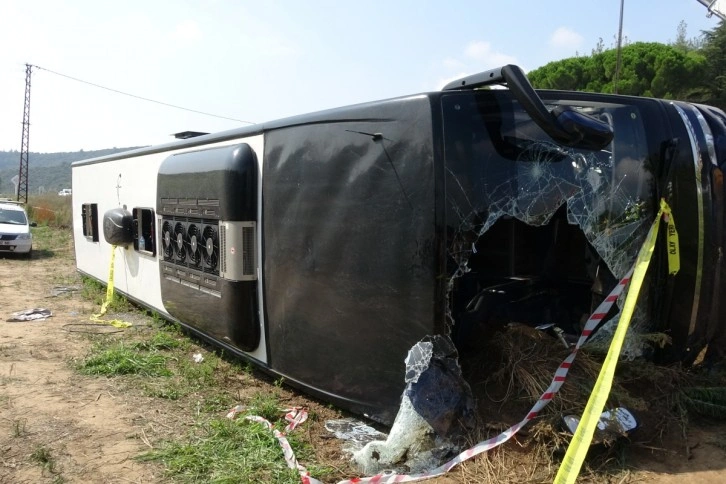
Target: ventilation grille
point(248, 251)
point(223, 247)
point(204, 207)
point(239, 254)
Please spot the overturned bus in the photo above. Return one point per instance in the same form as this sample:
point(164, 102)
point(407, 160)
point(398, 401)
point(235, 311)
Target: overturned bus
point(322, 247)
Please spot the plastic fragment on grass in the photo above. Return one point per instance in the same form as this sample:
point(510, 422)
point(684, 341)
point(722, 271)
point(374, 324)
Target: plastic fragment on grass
point(355, 433)
point(293, 415)
point(437, 410)
point(197, 357)
point(35, 314)
point(612, 424)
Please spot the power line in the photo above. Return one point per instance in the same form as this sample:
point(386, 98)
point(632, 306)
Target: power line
point(140, 97)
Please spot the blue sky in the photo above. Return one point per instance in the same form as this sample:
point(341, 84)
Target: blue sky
point(264, 60)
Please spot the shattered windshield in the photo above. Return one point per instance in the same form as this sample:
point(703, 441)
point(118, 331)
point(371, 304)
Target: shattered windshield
point(501, 165)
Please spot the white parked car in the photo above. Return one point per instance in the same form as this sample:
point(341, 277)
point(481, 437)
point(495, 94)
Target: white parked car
point(15, 233)
point(65, 192)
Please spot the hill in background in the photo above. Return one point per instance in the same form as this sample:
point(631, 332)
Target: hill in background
point(47, 172)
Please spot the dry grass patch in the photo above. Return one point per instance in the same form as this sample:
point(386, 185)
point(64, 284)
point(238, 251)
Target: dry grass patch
point(516, 367)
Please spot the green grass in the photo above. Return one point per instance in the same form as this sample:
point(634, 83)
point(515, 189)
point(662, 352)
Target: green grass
point(188, 377)
point(233, 451)
point(226, 452)
point(199, 374)
point(164, 360)
point(43, 456)
point(161, 340)
point(217, 403)
point(51, 241)
point(159, 364)
point(45, 236)
point(166, 389)
point(94, 291)
point(265, 405)
point(123, 359)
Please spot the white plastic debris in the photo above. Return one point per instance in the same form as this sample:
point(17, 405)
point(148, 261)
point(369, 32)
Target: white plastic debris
point(35, 314)
point(354, 432)
point(612, 424)
point(436, 411)
point(198, 358)
point(409, 447)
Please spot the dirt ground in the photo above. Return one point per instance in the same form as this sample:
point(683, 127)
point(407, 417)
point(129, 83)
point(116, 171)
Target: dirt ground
point(88, 429)
point(92, 431)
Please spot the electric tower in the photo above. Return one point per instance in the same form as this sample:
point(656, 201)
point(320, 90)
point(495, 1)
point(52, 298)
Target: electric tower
point(24, 150)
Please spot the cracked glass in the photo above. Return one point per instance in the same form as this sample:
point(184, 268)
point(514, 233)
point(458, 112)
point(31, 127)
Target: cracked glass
point(505, 176)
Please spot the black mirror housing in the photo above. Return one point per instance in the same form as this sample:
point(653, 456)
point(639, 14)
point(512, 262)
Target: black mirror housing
point(583, 131)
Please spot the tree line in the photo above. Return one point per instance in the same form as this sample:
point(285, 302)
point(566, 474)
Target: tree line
point(686, 69)
point(47, 172)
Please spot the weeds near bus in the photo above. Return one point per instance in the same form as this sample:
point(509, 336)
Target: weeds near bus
point(50, 210)
point(96, 292)
point(123, 359)
point(49, 241)
point(161, 340)
point(159, 362)
point(224, 450)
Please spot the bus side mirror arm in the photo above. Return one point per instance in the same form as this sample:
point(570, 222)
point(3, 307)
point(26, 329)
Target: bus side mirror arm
point(563, 124)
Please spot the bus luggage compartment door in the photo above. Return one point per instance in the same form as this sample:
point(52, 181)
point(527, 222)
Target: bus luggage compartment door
point(207, 202)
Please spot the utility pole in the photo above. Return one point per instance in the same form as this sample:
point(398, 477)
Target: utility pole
point(620, 46)
point(24, 144)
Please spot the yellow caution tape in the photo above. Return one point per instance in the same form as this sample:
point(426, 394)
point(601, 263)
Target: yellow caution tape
point(96, 318)
point(674, 259)
point(577, 450)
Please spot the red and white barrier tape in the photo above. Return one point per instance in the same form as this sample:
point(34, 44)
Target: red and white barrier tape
point(296, 416)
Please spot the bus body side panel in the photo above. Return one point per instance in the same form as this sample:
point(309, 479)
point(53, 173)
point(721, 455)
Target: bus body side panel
point(124, 183)
point(129, 183)
point(349, 256)
point(207, 201)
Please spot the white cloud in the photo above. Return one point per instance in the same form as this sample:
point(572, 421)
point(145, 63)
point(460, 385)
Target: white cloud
point(186, 31)
point(453, 64)
point(483, 53)
point(565, 38)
